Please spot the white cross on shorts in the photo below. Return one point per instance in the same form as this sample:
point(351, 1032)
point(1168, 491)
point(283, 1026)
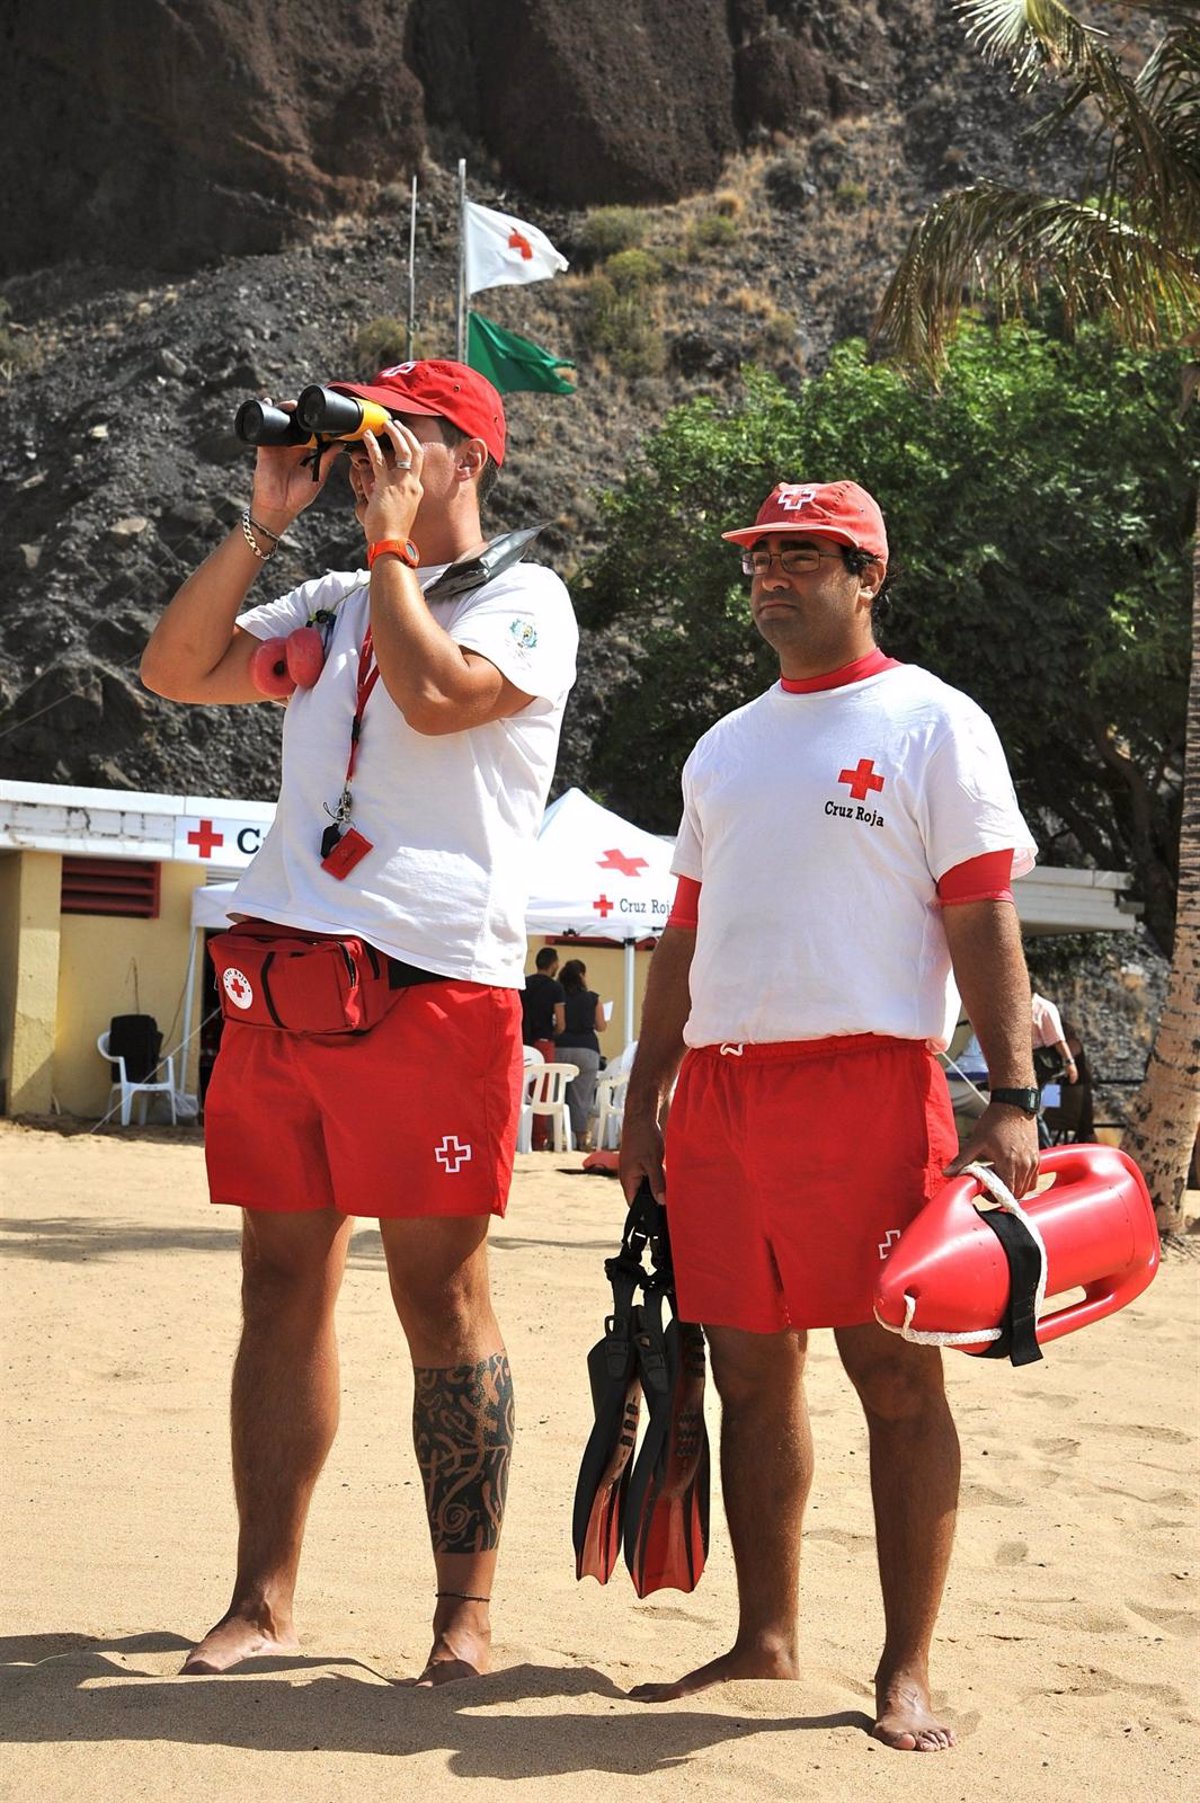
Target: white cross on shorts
point(452, 1154)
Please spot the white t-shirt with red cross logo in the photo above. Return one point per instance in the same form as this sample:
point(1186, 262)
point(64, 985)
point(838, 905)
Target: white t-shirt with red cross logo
point(451, 818)
point(819, 824)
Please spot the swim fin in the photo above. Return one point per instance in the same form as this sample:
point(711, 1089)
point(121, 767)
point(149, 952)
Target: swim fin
point(600, 1492)
point(667, 1507)
point(604, 1472)
point(655, 1506)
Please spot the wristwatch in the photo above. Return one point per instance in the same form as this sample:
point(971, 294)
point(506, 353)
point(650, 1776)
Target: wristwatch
point(1027, 1100)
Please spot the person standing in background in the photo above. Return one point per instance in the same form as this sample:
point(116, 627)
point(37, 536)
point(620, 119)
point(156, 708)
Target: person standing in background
point(578, 1044)
point(542, 1006)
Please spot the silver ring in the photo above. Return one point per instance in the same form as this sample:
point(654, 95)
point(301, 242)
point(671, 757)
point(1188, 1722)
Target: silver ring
point(406, 465)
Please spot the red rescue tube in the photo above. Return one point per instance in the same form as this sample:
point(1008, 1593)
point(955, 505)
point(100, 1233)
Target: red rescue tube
point(947, 1276)
point(305, 656)
point(269, 669)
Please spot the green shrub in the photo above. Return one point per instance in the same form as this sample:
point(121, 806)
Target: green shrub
point(712, 230)
point(17, 347)
point(632, 270)
point(379, 343)
point(608, 230)
point(850, 196)
point(622, 325)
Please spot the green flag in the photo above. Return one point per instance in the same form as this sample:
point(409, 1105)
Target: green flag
point(511, 363)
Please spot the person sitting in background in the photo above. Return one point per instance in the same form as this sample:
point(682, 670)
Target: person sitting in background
point(578, 1044)
point(542, 1016)
point(1048, 1035)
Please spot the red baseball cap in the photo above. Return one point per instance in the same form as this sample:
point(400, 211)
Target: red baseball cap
point(442, 390)
point(839, 510)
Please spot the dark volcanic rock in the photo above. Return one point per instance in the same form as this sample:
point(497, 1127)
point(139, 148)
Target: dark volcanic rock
point(584, 100)
point(166, 135)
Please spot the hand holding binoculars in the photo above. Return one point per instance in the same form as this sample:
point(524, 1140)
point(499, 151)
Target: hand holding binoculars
point(321, 417)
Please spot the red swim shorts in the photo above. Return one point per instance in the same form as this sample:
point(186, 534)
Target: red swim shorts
point(416, 1117)
point(791, 1170)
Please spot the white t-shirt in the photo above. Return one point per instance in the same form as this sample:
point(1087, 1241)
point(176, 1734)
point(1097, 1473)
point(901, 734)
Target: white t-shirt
point(451, 818)
point(1047, 1023)
point(819, 824)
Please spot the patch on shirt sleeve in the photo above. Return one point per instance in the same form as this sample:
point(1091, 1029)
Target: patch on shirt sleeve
point(525, 634)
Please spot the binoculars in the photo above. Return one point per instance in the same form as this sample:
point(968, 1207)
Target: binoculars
point(322, 416)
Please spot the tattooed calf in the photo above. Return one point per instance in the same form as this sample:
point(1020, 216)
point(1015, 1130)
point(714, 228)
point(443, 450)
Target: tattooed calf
point(463, 1431)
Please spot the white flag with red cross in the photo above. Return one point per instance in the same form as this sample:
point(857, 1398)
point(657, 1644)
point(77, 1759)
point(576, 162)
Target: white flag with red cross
point(501, 249)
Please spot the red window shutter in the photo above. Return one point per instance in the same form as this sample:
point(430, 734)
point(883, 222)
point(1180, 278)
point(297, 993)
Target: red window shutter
point(124, 886)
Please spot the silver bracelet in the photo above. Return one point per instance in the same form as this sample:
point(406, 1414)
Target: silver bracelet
point(247, 534)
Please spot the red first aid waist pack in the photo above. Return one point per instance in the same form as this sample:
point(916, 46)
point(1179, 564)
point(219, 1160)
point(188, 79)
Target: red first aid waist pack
point(273, 976)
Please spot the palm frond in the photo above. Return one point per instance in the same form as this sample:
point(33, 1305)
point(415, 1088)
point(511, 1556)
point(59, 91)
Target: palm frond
point(1004, 244)
point(1030, 35)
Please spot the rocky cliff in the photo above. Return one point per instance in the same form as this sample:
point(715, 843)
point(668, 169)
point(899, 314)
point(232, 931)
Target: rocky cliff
point(211, 203)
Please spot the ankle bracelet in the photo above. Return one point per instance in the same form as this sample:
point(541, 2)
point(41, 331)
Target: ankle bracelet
point(464, 1596)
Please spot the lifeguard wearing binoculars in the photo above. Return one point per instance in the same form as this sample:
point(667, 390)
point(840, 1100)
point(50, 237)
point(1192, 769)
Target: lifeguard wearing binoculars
point(321, 416)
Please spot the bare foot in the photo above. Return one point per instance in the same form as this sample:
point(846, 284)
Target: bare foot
point(235, 1638)
point(462, 1643)
point(759, 1659)
point(905, 1718)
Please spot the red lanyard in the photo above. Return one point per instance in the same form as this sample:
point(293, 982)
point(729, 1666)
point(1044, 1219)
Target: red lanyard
point(368, 676)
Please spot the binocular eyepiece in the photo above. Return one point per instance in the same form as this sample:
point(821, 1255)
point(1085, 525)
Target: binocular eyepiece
point(321, 416)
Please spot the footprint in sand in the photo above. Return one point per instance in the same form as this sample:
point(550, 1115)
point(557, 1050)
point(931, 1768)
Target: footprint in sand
point(980, 1493)
point(1174, 1436)
point(1181, 1622)
point(1012, 1552)
point(1058, 1449)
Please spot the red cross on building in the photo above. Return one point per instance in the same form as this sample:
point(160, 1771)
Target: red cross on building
point(862, 779)
point(207, 839)
point(616, 860)
point(517, 242)
point(603, 906)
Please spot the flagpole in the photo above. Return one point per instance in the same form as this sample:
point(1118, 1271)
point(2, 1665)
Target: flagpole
point(412, 273)
point(461, 333)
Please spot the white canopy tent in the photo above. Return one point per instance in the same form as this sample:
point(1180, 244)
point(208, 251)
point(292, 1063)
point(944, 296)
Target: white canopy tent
point(597, 875)
point(593, 874)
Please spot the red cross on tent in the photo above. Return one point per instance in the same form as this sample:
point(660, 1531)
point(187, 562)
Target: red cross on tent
point(862, 779)
point(603, 906)
point(616, 860)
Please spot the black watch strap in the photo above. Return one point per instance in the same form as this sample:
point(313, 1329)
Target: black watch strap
point(1027, 1100)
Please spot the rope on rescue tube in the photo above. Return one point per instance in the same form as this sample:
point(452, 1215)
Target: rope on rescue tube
point(1004, 1199)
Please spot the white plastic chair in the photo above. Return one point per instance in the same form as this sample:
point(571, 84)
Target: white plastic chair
point(609, 1112)
point(546, 1094)
point(147, 1087)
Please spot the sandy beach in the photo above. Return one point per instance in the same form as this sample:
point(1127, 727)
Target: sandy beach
point(1067, 1653)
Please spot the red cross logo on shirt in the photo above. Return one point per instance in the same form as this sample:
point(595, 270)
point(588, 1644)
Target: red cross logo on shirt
point(603, 906)
point(206, 839)
point(616, 860)
point(452, 1154)
point(862, 779)
point(517, 242)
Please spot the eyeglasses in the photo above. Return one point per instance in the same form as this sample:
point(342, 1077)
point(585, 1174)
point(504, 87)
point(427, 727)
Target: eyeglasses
point(793, 562)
